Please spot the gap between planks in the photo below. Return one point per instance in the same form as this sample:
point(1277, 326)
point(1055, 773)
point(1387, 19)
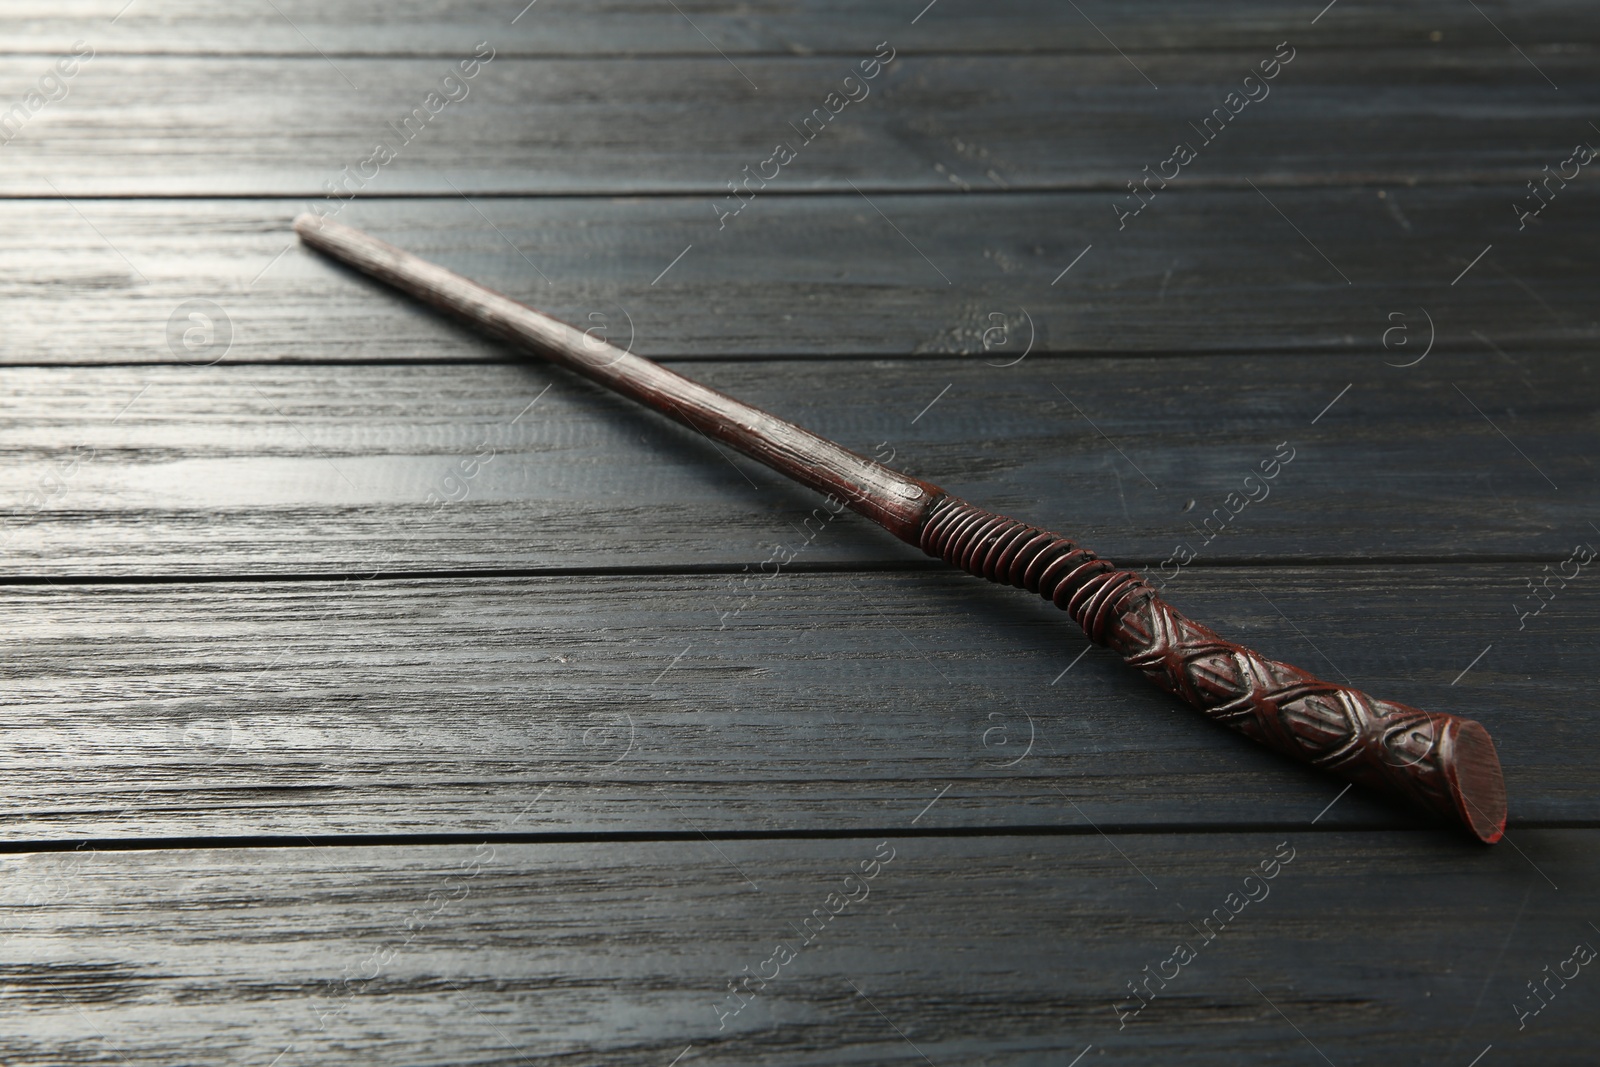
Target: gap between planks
point(1399, 825)
point(915, 566)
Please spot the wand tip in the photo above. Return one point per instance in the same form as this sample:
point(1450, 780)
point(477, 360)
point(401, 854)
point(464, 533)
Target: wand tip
point(306, 222)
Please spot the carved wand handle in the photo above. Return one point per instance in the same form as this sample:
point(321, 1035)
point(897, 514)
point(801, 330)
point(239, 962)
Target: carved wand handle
point(1439, 762)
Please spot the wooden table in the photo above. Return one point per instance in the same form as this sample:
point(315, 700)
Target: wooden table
point(376, 696)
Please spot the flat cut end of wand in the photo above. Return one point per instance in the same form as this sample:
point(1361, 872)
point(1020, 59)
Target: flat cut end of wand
point(1476, 784)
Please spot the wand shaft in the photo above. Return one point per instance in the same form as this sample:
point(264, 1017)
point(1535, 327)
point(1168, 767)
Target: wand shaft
point(894, 500)
point(1443, 763)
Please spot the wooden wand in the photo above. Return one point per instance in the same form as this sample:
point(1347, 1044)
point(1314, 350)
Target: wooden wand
point(1442, 763)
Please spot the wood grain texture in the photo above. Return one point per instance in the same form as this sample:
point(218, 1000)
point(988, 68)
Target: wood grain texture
point(959, 952)
point(783, 27)
point(557, 662)
point(256, 470)
point(196, 126)
point(1213, 271)
point(719, 703)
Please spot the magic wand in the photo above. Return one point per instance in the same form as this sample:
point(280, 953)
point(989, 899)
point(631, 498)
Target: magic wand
point(1442, 763)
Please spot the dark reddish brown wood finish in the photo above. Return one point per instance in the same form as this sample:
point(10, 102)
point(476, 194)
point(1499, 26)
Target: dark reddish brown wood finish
point(1442, 763)
point(895, 501)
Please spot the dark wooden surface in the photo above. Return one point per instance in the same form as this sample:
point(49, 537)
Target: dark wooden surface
point(1212, 271)
point(687, 125)
point(265, 702)
point(1009, 948)
point(610, 28)
point(433, 705)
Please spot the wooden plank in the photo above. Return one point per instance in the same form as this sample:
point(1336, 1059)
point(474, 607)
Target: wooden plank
point(1214, 271)
point(302, 27)
point(647, 703)
point(163, 125)
point(1008, 950)
point(230, 470)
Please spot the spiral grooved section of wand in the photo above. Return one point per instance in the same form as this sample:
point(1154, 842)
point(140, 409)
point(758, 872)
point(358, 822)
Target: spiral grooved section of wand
point(1440, 762)
point(1092, 590)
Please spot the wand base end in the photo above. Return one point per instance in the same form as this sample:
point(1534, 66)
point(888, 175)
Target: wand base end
point(1478, 787)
